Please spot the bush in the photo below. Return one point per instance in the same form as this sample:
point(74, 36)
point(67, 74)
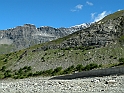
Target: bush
point(30, 74)
point(57, 71)
point(121, 60)
point(91, 66)
point(3, 68)
point(69, 70)
point(20, 71)
point(79, 67)
point(29, 68)
point(48, 72)
point(121, 39)
point(37, 73)
point(7, 74)
point(25, 67)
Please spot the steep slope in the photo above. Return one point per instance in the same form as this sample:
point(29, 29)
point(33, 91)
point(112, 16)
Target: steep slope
point(98, 34)
point(101, 43)
point(27, 35)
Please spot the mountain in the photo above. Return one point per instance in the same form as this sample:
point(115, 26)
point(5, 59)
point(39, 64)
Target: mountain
point(101, 43)
point(27, 35)
point(99, 34)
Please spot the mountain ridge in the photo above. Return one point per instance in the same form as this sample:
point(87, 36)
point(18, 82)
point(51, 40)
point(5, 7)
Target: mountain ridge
point(27, 35)
point(99, 34)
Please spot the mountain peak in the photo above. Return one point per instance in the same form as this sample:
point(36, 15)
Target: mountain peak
point(84, 25)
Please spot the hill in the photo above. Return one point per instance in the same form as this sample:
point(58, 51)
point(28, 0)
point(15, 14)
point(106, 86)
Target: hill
point(100, 45)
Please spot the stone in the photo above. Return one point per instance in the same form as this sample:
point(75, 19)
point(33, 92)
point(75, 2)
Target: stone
point(111, 82)
point(95, 80)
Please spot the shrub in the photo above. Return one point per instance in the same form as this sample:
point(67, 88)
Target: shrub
point(121, 60)
point(20, 71)
point(29, 68)
point(121, 39)
point(37, 73)
point(25, 67)
point(57, 71)
point(69, 70)
point(91, 66)
point(30, 74)
point(100, 65)
point(7, 74)
point(79, 67)
point(3, 68)
point(5, 60)
point(48, 72)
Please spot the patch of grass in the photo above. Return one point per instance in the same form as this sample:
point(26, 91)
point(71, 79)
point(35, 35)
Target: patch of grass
point(4, 48)
point(121, 39)
point(114, 15)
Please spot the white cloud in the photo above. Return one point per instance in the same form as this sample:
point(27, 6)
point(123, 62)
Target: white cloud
point(73, 10)
point(99, 16)
point(93, 15)
point(89, 3)
point(119, 9)
point(77, 8)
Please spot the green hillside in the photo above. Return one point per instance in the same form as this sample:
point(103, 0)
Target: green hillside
point(79, 51)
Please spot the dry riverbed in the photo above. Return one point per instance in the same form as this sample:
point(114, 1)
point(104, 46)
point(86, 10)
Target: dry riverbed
point(106, 84)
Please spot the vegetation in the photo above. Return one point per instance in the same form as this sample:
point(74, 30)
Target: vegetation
point(80, 55)
point(5, 48)
point(79, 67)
point(3, 68)
point(121, 39)
point(69, 70)
point(26, 71)
point(114, 15)
point(121, 60)
point(82, 58)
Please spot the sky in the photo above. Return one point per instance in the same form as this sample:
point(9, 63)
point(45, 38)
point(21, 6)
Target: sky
point(55, 13)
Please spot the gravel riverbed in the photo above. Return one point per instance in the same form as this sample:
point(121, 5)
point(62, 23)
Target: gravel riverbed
point(106, 84)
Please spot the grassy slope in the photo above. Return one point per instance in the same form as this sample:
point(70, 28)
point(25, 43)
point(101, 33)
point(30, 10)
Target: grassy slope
point(6, 48)
point(113, 16)
point(42, 60)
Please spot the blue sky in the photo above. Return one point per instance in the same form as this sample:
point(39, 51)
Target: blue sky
point(55, 13)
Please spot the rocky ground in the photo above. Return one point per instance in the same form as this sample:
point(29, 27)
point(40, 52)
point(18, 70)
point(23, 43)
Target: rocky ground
point(106, 84)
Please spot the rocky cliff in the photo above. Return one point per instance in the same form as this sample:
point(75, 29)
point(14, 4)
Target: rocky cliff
point(99, 34)
point(27, 35)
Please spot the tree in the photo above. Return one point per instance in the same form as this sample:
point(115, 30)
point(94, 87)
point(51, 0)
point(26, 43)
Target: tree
point(91, 66)
point(3, 68)
point(79, 67)
point(7, 74)
point(121, 60)
point(69, 70)
point(57, 71)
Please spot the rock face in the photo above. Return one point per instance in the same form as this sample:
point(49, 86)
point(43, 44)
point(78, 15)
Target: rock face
point(28, 35)
point(97, 35)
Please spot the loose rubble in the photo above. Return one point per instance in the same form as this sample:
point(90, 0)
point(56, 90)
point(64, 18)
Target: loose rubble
point(107, 84)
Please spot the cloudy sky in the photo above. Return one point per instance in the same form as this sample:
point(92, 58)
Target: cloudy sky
point(55, 13)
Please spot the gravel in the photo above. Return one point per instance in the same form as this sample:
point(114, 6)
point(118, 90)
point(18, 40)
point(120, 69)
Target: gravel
point(106, 84)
